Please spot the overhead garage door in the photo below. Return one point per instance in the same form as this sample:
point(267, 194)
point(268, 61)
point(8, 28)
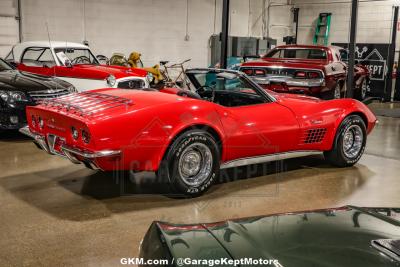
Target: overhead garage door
point(9, 34)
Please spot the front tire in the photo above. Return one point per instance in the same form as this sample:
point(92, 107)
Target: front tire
point(349, 143)
point(191, 164)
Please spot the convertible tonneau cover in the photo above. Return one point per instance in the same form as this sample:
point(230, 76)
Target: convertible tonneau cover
point(331, 237)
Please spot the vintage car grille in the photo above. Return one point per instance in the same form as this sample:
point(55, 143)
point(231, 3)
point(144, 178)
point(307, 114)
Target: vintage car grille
point(132, 84)
point(48, 94)
point(313, 136)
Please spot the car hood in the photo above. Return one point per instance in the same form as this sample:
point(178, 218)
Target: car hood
point(25, 82)
point(332, 237)
point(103, 71)
point(288, 63)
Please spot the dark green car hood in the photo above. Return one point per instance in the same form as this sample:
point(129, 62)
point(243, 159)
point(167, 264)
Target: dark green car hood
point(333, 237)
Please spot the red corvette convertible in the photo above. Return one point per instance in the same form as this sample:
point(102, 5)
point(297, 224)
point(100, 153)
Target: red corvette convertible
point(186, 137)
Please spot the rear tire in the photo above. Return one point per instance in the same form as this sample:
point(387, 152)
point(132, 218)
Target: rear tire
point(191, 164)
point(361, 93)
point(335, 93)
point(349, 142)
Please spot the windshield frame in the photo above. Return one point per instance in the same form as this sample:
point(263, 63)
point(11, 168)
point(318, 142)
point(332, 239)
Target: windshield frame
point(257, 88)
point(62, 49)
point(6, 64)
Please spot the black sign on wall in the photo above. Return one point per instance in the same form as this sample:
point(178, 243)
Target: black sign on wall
point(374, 57)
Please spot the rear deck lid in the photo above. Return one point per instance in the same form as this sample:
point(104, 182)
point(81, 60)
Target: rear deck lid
point(326, 238)
point(107, 102)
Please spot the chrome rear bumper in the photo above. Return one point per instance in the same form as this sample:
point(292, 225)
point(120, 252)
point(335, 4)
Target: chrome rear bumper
point(289, 81)
point(66, 151)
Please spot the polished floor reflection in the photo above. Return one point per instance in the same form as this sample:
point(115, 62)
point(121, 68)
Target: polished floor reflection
point(55, 213)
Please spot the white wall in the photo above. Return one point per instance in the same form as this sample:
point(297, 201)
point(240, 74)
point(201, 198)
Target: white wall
point(156, 28)
point(9, 34)
point(373, 26)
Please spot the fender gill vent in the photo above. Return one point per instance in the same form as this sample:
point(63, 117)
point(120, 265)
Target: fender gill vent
point(314, 135)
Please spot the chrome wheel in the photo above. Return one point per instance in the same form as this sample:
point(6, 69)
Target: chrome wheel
point(353, 141)
point(337, 92)
point(195, 164)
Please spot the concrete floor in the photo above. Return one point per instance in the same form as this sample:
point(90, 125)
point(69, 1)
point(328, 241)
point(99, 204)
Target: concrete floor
point(54, 213)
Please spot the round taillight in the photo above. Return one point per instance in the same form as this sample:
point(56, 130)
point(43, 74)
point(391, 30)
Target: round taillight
point(85, 136)
point(75, 133)
point(40, 123)
point(33, 121)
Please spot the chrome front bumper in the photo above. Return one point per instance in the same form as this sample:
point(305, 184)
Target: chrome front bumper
point(289, 81)
point(68, 152)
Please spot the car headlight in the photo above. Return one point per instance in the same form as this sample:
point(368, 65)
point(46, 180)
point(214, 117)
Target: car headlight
point(4, 96)
point(18, 96)
point(11, 97)
point(149, 77)
point(111, 80)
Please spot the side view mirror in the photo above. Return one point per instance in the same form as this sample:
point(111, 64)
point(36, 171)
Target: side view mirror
point(68, 63)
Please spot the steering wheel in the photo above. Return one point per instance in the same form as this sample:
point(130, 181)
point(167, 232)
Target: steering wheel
point(203, 88)
point(190, 94)
point(80, 59)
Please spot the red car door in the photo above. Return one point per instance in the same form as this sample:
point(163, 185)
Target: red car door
point(258, 129)
point(46, 71)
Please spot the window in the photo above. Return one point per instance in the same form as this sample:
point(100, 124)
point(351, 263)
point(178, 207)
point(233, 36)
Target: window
point(275, 53)
point(298, 53)
point(226, 89)
point(225, 82)
point(76, 56)
point(344, 55)
point(38, 57)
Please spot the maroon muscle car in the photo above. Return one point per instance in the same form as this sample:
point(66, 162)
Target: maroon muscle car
point(318, 71)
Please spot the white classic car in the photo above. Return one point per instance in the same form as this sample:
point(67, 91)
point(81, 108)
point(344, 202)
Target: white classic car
point(74, 63)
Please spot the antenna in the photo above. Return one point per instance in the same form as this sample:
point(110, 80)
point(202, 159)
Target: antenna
point(51, 49)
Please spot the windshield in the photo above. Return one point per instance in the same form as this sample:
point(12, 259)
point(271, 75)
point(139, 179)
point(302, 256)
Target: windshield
point(4, 66)
point(75, 56)
point(222, 81)
point(298, 53)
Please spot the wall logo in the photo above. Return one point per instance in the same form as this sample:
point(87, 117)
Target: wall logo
point(373, 56)
point(376, 64)
point(361, 53)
